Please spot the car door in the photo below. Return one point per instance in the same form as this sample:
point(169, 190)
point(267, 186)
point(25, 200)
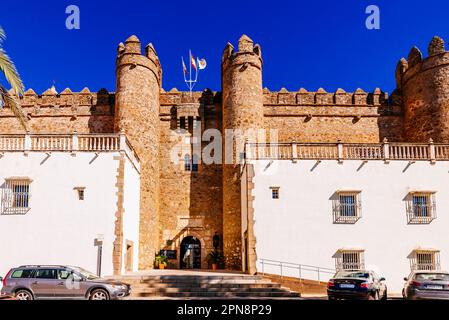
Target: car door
point(70, 285)
point(65, 287)
point(43, 283)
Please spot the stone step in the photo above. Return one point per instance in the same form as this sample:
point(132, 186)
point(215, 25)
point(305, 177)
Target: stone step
point(205, 286)
point(139, 286)
point(283, 294)
point(166, 290)
point(189, 279)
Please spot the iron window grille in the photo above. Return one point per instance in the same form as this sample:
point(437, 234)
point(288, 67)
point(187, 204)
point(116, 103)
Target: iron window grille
point(425, 260)
point(349, 260)
point(15, 196)
point(275, 193)
point(421, 207)
point(347, 207)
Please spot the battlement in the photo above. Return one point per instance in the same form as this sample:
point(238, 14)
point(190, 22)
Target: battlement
point(416, 63)
point(65, 103)
point(323, 98)
point(130, 55)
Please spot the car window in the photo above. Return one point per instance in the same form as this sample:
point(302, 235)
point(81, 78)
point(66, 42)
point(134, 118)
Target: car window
point(353, 274)
point(45, 274)
point(63, 274)
point(22, 273)
point(432, 276)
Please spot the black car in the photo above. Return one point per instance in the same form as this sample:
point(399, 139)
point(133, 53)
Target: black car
point(426, 285)
point(356, 284)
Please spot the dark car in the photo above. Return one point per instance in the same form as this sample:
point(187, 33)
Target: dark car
point(426, 285)
point(356, 284)
point(60, 282)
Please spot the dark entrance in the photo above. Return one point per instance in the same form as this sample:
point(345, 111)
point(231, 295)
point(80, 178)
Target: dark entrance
point(190, 253)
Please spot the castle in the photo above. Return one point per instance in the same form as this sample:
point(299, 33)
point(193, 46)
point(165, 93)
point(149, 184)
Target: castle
point(178, 203)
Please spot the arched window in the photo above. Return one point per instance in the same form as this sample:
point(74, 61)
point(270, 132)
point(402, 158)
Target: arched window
point(195, 161)
point(187, 165)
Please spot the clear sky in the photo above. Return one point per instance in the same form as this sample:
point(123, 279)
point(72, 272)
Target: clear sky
point(308, 44)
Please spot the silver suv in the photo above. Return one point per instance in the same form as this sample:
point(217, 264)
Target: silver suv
point(61, 282)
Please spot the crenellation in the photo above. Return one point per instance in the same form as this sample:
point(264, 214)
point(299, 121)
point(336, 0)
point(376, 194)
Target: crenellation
point(359, 98)
point(322, 97)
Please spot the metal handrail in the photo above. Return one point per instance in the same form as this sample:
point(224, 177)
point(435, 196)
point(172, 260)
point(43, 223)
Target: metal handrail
point(299, 267)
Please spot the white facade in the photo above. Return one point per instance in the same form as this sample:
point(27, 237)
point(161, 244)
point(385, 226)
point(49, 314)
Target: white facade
point(59, 228)
point(299, 226)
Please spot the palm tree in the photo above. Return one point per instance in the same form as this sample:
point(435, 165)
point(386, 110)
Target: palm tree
point(13, 78)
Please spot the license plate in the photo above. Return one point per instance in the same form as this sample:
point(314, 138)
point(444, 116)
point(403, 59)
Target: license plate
point(433, 287)
point(347, 286)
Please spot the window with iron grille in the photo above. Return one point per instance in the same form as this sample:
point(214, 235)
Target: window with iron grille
point(187, 164)
point(15, 196)
point(421, 207)
point(428, 260)
point(275, 192)
point(347, 207)
point(349, 260)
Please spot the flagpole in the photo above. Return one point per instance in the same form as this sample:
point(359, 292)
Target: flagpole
point(190, 71)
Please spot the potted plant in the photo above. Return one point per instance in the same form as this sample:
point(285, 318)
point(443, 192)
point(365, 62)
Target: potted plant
point(161, 261)
point(214, 258)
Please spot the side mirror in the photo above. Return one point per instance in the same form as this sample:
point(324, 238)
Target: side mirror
point(382, 279)
point(1, 279)
point(405, 279)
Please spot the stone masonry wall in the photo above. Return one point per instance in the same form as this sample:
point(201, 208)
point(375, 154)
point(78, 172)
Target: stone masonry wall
point(424, 84)
point(242, 109)
point(137, 114)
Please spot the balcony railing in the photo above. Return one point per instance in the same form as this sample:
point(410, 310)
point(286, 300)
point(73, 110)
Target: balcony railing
point(68, 143)
point(348, 151)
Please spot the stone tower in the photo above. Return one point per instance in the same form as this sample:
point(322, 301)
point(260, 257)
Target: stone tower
point(424, 84)
point(137, 114)
point(242, 110)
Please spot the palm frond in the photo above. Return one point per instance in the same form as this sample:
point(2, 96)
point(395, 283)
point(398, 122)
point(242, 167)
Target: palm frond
point(9, 70)
point(2, 34)
point(9, 101)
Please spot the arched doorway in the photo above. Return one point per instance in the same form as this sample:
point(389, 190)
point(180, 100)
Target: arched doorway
point(190, 253)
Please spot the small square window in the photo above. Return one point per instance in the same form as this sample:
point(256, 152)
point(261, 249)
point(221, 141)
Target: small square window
point(347, 207)
point(349, 259)
point(81, 192)
point(425, 259)
point(275, 192)
point(421, 208)
point(16, 196)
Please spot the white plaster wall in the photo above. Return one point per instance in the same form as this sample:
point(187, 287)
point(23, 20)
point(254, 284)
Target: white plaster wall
point(131, 216)
point(299, 226)
point(59, 228)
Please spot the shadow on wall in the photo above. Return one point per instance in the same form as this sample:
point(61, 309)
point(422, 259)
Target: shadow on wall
point(101, 118)
point(391, 117)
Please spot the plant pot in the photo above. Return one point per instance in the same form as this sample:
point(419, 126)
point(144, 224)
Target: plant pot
point(161, 266)
point(214, 266)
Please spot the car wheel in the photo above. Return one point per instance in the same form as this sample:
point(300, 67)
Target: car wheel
point(24, 295)
point(374, 296)
point(99, 294)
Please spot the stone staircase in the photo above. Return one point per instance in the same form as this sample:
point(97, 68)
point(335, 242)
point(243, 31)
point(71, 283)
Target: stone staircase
point(203, 285)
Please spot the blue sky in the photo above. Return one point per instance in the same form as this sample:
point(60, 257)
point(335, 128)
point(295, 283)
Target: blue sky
point(308, 44)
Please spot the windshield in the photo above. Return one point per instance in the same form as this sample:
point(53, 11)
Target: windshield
point(87, 274)
point(352, 274)
point(432, 276)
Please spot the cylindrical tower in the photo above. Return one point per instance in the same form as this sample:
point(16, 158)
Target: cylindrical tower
point(242, 112)
point(137, 114)
point(424, 84)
